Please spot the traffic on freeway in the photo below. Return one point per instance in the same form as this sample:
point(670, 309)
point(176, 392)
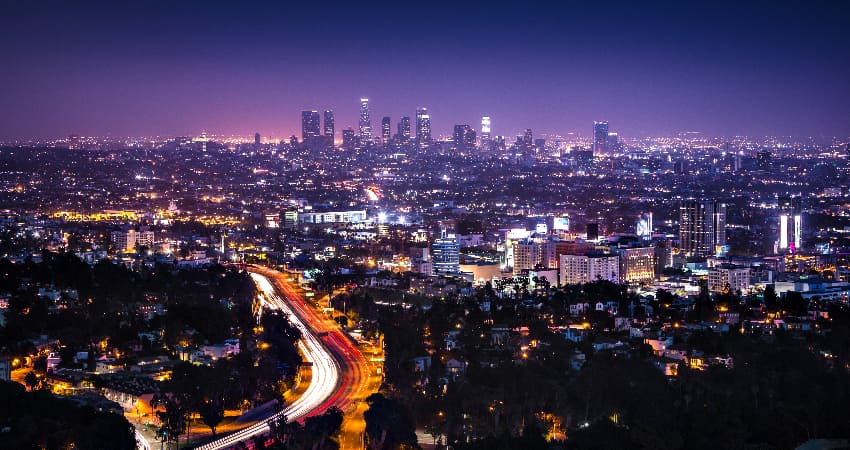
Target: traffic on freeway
point(325, 371)
point(358, 377)
point(342, 376)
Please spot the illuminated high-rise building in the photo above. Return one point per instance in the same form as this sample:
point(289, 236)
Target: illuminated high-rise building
point(404, 129)
point(600, 138)
point(613, 142)
point(702, 227)
point(643, 227)
point(365, 123)
point(385, 131)
point(329, 127)
point(464, 138)
point(445, 254)
point(790, 223)
point(485, 134)
point(309, 125)
point(349, 139)
point(423, 128)
point(499, 144)
point(527, 140)
point(539, 145)
point(256, 139)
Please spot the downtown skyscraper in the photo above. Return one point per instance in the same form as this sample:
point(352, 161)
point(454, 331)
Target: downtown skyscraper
point(464, 138)
point(790, 224)
point(328, 129)
point(485, 134)
point(404, 129)
point(423, 128)
point(600, 138)
point(309, 125)
point(365, 123)
point(386, 131)
point(702, 227)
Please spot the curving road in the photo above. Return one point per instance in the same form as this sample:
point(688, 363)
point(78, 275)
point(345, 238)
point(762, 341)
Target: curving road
point(324, 379)
point(342, 376)
point(359, 378)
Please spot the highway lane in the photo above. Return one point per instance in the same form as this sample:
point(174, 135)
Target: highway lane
point(325, 370)
point(359, 377)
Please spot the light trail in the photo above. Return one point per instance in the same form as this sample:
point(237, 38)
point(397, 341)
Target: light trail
point(325, 372)
point(141, 442)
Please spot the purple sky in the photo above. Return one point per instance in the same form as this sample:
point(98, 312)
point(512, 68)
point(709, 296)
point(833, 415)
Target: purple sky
point(649, 68)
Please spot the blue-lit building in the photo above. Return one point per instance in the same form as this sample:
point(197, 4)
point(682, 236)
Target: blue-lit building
point(600, 138)
point(423, 128)
point(404, 130)
point(702, 227)
point(309, 125)
point(365, 123)
point(329, 127)
point(386, 132)
point(445, 255)
point(464, 138)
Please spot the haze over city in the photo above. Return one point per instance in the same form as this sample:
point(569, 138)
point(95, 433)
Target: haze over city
point(424, 225)
point(651, 68)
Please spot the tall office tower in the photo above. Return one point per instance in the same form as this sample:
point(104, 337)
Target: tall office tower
point(643, 226)
point(613, 142)
point(329, 127)
point(485, 134)
point(385, 131)
point(309, 125)
point(539, 145)
point(600, 138)
point(365, 123)
point(702, 227)
point(445, 254)
point(404, 129)
point(527, 255)
point(256, 139)
point(790, 223)
point(464, 138)
point(527, 140)
point(349, 140)
point(469, 140)
point(499, 144)
point(423, 128)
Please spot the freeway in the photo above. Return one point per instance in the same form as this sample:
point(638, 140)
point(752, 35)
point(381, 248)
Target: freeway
point(342, 376)
point(359, 377)
point(325, 377)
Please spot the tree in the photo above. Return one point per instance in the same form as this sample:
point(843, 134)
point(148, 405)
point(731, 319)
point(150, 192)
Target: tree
point(388, 423)
point(31, 380)
point(172, 418)
point(770, 300)
point(794, 303)
point(212, 413)
point(324, 426)
point(42, 420)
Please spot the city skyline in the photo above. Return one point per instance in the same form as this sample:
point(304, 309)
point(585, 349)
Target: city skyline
point(754, 69)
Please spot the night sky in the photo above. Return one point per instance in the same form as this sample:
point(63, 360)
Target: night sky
point(179, 67)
